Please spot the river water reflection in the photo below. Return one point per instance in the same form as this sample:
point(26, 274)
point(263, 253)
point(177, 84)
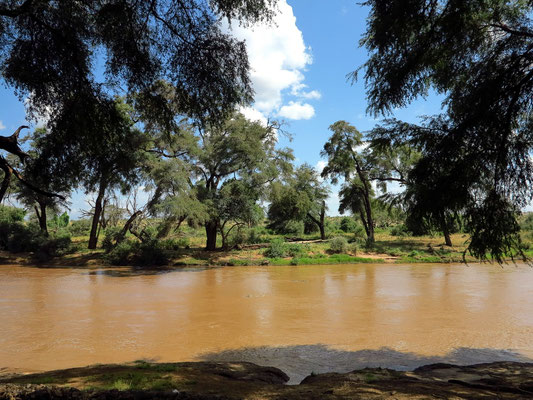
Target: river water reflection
point(301, 319)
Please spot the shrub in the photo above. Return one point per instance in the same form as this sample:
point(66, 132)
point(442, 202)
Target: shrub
point(48, 248)
point(399, 230)
point(277, 249)
point(80, 227)
point(255, 235)
point(111, 235)
point(295, 228)
point(296, 250)
point(11, 214)
point(348, 225)
point(152, 252)
point(122, 253)
point(338, 245)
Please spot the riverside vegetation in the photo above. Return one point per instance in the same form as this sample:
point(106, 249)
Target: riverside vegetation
point(22, 241)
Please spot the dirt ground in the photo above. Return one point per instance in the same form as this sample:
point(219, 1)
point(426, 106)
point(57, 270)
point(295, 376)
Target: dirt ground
point(210, 380)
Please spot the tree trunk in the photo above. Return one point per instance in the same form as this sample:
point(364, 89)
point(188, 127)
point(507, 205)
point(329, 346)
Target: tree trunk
point(41, 216)
point(93, 237)
point(369, 219)
point(122, 235)
point(322, 225)
point(367, 204)
point(446, 231)
point(8, 173)
point(211, 229)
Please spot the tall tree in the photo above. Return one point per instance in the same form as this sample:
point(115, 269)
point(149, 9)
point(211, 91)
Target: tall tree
point(477, 54)
point(108, 161)
point(345, 160)
point(239, 149)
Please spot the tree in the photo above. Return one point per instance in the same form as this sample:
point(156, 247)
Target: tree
point(345, 161)
point(236, 206)
point(50, 50)
point(241, 150)
point(478, 56)
point(97, 165)
point(38, 200)
point(302, 198)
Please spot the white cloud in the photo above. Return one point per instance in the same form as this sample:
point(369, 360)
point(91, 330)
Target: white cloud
point(320, 165)
point(297, 110)
point(298, 91)
point(278, 58)
point(254, 115)
point(2, 126)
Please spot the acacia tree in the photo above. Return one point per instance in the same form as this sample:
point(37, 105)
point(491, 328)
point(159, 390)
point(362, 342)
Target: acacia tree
point(110, 160)
point(427, 205)
point(477, 54)
point(302, 196)
point(346, 162)
point(51, 49)
point(240, 149)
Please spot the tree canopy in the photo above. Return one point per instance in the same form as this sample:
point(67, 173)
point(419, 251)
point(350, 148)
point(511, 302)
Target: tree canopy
point(477, 54)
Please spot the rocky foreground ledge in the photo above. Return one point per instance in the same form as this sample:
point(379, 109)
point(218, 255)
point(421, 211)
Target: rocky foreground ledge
point(240, 380)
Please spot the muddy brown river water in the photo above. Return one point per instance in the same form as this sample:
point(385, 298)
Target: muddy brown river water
point(301, 319)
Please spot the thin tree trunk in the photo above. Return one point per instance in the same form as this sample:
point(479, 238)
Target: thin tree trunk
point(93, 237)
point(211, 229)
point(446, 231)
point(122, 235)
point(369, 218)
point(367, 203)
point(322, 224)
point(41, 216)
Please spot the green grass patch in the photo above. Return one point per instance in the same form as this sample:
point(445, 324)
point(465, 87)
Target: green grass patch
point(333, 259)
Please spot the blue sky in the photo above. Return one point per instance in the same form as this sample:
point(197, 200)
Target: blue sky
point(299, 71)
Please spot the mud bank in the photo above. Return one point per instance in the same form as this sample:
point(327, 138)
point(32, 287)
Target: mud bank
point(208, 380)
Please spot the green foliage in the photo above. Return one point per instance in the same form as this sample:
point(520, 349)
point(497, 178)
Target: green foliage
point(122, 253)
point(111, 235)
point(60, 221)
point(294, 228)
point(296, 250)
point(150, 253)
point(79, 227)
point(338, 245)
point(11, 214)
point(475, 156)
point(399, 230)
point(277, 249)
point(16, 237)
point(348, 225)
point(298, 203)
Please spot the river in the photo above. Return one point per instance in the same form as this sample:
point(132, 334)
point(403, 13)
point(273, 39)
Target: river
point(301, 319)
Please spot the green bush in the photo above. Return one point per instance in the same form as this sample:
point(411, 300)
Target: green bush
point(48, 248)
point(11, 214)
point(277, 249)
point(399, 230)
point(255, 236)
point(122, 253)
point(80, 227)
point(338, 245)
point(296, 250)
point(152, 252)
point(348, 225)
point(295, 228)
point(111, 235)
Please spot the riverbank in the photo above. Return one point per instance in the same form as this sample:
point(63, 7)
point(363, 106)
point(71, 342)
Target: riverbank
point(308, 251)
point(240, 380)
